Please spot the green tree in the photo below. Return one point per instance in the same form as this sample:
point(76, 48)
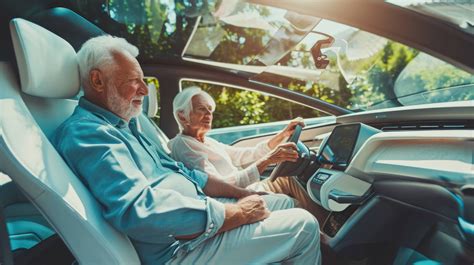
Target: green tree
point(162, 28)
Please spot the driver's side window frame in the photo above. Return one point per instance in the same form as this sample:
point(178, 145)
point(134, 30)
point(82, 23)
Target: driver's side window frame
point(249, 125)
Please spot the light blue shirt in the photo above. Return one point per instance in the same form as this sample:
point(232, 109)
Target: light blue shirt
point(143, 192)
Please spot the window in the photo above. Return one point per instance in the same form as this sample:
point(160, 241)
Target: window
point(241, 113)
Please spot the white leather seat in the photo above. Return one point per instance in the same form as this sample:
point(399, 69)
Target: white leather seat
point(49, 72)
point(150, 129)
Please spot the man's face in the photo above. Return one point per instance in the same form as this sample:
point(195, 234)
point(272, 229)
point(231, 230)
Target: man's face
point(201, 116)
point(126, 88)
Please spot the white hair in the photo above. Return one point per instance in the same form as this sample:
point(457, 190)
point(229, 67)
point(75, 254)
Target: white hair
point(183, 104)
point(98, 53)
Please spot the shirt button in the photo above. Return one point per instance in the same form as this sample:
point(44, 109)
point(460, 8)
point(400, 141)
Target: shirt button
point(211, 225)
point(209, 230)
point(206, 234)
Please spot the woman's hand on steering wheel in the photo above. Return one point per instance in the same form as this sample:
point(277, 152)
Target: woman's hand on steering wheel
point(294, 139)
point(290, 128)
point(286, 132)
point(282, 153)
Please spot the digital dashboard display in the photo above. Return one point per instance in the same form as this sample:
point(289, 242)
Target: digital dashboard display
point(340, 145)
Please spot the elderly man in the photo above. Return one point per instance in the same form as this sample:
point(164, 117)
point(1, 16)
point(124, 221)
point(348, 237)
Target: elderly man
point(165, 208)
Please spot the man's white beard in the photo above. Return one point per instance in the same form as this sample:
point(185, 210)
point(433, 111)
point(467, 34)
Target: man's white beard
point(120, 106)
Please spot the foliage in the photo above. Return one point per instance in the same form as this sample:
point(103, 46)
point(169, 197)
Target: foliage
point(161, 29)
point(376, 82)
point(239, 107)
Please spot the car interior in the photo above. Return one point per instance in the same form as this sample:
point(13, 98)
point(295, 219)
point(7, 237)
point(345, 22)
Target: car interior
point(397, 185)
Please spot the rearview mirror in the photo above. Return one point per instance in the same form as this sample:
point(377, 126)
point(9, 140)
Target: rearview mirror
point(320, 59)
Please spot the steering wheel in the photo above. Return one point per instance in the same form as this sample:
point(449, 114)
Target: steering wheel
point(293, 168)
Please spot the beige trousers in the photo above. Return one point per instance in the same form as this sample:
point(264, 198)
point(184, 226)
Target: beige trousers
point(291, 187)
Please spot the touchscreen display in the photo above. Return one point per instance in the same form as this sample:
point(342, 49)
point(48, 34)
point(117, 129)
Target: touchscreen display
point(340, 145)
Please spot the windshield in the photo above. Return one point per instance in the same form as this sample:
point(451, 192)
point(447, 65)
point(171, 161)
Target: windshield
point(337, 63)
point(331, 61)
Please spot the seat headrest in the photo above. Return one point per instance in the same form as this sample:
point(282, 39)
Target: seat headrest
point(47, 63)
point(152, 101)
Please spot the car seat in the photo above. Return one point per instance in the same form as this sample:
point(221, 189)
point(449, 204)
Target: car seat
point(30, 112)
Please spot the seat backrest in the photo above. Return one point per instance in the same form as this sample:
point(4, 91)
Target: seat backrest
point(49, 72)
point(149, 128)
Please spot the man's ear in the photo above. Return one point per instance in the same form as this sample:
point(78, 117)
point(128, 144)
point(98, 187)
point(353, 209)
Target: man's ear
point(96, 79)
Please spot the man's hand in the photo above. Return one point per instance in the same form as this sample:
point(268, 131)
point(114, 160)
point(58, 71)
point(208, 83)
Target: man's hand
point(253, 208)
point(247, 210)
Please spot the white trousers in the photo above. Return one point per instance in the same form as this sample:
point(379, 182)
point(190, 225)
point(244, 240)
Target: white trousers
point(289, 236)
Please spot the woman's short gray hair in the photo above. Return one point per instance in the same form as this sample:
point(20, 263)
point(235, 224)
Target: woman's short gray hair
point(98, 53)
point(183, 104)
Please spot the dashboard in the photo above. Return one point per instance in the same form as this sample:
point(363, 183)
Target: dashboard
point(401, 176)
point(336, 153)
point(358, 161)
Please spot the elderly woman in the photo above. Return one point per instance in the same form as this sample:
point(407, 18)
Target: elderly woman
point(193, 110)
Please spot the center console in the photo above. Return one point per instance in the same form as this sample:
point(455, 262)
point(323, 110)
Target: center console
point(330, 186)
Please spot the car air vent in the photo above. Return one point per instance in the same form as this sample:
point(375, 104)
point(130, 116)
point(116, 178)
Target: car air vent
point(440, 126)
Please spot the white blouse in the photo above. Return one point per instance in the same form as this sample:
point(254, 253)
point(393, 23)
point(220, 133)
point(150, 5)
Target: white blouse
point(218, 159)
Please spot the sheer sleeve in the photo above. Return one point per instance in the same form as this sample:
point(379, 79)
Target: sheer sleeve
point(245, 156)
point(195, 156)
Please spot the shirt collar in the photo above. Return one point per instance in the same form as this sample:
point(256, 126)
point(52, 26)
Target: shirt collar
point(103, 113)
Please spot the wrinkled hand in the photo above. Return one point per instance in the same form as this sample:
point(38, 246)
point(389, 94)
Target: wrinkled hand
point(283, 152)
point(281, 136)
point(253, 208)
point(290, 128)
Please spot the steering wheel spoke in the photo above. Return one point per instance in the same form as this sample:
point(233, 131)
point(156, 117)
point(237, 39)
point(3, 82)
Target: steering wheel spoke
point(293, 168)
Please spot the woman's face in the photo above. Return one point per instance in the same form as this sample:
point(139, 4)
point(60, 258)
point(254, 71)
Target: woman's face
point(200, 118)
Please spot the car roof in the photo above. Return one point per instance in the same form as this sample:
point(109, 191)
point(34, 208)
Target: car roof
point(431, 35)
